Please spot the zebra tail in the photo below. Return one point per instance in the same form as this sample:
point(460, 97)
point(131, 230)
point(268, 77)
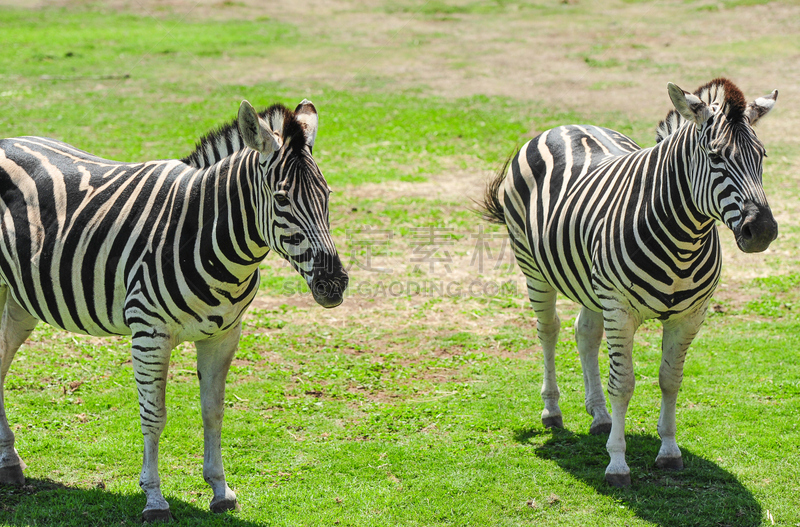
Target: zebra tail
point(491, 207)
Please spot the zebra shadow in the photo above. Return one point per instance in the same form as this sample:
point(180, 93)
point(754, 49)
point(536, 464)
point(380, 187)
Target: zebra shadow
point(699, 495)
point(46, 502)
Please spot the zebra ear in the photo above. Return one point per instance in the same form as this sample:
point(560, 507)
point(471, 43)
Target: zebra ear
point(689, 106)
point(255, 131)
point(760, 107)
point(306, 115)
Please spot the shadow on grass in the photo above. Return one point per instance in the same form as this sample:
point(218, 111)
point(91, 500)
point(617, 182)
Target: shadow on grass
point(699, 495)
point(45, 502)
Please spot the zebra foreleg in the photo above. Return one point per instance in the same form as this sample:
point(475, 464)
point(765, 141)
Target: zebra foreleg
point(213, 362)
point(677, 337)
point(543, 300)
point(150, 352)
point(15, 328)
point(588, 335)
point(620, 325)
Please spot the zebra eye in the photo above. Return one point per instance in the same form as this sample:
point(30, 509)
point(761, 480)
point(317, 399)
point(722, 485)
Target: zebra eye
point(282, 198)
point(294, 239)
point(714, 156)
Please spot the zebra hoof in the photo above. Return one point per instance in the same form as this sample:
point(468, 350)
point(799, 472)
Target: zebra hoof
point(670, 463)
point(600, 428)
point(12, 475)
point(619, 480)
point(224, 504)
point(156, 515)
point(553, 421)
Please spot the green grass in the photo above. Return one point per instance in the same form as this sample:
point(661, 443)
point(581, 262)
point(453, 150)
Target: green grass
point(345, 425)
point(109, 84)
point(407, 409)
point(103, 76)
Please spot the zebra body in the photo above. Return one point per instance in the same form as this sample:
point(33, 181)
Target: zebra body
point(629, 233)
point(164, 251)
point(574, 220)
point(142, 234)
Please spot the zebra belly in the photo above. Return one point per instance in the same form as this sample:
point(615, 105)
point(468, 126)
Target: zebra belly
point(104, 328)
point(578, 278)
point(64, 300)
point(203, 323)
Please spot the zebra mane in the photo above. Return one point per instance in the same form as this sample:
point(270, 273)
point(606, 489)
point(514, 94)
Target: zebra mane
point(226, 140)
point(720, 91)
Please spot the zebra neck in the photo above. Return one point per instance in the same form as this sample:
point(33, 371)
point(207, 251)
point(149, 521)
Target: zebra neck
point(675, 204)
point(231, 206)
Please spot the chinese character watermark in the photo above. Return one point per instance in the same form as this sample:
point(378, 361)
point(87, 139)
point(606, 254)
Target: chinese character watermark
point(368, 241)
point(483, 249)
point(427, 247)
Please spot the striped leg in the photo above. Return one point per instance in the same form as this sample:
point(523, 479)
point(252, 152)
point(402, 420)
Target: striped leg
point(620, 325)
point(678, 334)
point(213, 361)
point(15, 328)
point(543, 300)
point(151, 351)
point(588, 334)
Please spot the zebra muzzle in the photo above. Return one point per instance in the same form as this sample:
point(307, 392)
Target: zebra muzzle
point(757, 230)
point(329, 283)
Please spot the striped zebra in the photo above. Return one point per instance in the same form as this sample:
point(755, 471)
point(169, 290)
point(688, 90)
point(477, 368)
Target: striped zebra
point(164, 251)
point(629, 233)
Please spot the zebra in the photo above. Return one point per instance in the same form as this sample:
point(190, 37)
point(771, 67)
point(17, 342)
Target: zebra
point(629, 234)
point(165, 251)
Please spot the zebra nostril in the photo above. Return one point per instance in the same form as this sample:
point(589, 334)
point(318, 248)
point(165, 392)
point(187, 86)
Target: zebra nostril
point(320, 288)
point(747, 234)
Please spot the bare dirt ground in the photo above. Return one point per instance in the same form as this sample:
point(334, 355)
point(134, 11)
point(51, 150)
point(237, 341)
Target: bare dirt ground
point(583, 56)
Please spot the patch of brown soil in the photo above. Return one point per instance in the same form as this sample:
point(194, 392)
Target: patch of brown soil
point(462, 186)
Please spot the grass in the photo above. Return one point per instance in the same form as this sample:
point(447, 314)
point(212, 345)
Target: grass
point(401, 407)
point(330, 424)
point(98, 79)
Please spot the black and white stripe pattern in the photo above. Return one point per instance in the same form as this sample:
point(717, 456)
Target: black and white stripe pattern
point(165, 251)
point(630, 234)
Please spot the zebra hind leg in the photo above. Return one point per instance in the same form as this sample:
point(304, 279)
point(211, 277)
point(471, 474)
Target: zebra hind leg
point(588, 335)
point(543, 300)
point(213, 362)
point(15, 328)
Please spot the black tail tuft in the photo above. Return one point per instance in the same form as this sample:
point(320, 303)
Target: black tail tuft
point(491, 208)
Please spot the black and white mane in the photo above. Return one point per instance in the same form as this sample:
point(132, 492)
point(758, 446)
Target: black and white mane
point(225, 140)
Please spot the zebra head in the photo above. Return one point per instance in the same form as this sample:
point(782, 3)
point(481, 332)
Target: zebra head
point(293, 209)
point(726, 166)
